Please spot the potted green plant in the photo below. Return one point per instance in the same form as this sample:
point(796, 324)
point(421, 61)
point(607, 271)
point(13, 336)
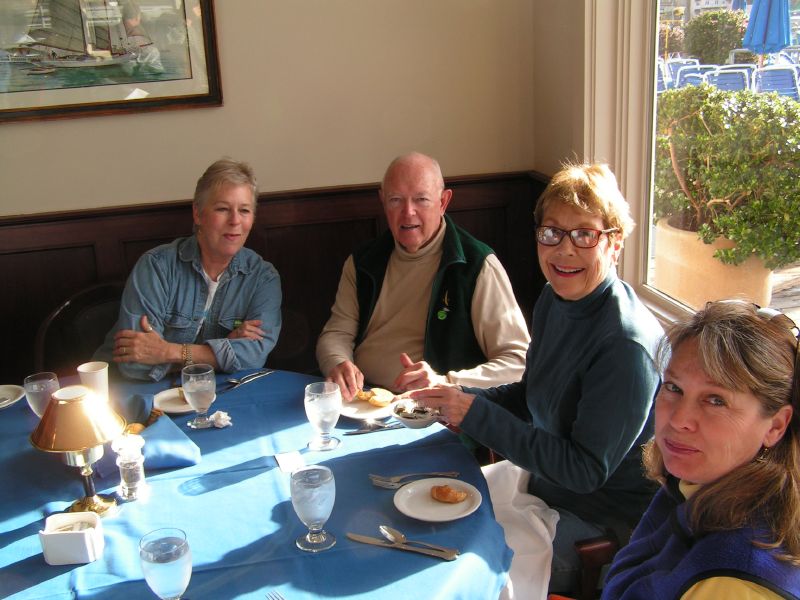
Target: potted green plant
point(727, 174)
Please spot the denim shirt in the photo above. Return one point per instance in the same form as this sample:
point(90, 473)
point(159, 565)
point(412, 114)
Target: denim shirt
point(167, 285)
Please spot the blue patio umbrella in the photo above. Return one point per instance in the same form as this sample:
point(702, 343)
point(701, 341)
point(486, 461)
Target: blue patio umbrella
point(739, 5)
point(768, 30)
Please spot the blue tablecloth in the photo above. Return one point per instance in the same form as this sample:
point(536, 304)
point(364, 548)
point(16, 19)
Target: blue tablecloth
point(236, 510)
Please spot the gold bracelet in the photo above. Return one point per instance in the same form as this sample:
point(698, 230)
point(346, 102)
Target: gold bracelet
point(186, 355)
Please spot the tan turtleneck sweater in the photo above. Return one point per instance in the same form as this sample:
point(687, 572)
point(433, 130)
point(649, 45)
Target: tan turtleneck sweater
point(398, 322)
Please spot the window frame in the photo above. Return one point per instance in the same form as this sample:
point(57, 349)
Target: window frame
point(619, 92)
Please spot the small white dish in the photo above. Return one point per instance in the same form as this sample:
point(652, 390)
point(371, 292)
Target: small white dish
point(414, 500)
point(11, 393)
point(171, 402)
point(72, 538)
point(414, 416)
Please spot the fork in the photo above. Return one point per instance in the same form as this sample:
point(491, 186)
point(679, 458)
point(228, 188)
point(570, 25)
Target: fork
point(398, 478)
point(274, 595)
point(389, 485)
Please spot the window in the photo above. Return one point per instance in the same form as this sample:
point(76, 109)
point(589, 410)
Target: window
point(620, 124)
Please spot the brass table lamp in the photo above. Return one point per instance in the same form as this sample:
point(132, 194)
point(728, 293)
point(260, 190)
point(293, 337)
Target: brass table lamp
point(77, 423)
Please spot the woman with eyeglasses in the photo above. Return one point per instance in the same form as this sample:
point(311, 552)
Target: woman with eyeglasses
point(579, 416)
point(726, 521)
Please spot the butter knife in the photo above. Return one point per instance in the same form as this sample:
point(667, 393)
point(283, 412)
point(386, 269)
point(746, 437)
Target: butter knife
point(365, 539)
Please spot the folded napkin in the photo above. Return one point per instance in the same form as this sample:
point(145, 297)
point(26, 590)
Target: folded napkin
point(165, 445)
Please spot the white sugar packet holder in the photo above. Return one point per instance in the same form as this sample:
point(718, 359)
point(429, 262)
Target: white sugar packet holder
point(72, 538)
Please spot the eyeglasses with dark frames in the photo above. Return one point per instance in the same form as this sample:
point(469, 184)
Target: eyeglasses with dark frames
point(582, 237)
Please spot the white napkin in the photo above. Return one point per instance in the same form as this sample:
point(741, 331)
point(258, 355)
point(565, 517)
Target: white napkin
point(529, 526)
point(220, 419)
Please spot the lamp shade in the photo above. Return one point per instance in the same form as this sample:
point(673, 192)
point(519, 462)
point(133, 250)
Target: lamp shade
point(75, 420)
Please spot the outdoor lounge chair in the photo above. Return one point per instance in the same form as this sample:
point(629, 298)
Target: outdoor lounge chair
point(781, 79)
point(729, 79)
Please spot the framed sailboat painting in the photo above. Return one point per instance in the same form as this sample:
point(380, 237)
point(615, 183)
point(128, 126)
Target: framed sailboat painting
point(68, 58)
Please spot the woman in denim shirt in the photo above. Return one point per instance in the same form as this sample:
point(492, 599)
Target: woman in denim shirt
point(205, 298)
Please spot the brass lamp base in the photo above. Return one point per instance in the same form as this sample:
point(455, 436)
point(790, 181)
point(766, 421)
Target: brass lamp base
point(102, 504)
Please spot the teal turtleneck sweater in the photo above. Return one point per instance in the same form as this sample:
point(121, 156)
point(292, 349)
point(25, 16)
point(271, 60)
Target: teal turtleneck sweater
point(582, 410)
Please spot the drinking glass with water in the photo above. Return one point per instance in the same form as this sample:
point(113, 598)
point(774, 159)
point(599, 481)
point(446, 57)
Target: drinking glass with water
point(199, 388)
point(39, 387)
point(323, 402)
point(166, 562)
point(313, 494)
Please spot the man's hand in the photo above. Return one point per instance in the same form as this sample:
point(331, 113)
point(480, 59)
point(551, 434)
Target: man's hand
point(250, 330)
point(146, 346)
point(349, 378)
point(416, 375)
point(451, 401)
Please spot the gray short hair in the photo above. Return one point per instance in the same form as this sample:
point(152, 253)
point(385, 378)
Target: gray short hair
point(225, 171)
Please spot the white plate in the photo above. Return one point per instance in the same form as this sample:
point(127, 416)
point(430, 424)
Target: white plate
point(12, 392)
point(362, 410)
point(414, 500)
point(170, 402)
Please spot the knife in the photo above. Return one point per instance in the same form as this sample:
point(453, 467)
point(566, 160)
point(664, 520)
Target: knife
point(374, 429)
point(365, 539)
point(247, 379)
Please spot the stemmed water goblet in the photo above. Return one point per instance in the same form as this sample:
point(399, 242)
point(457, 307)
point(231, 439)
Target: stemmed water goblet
point(313, 494)
point(199, 387)
point(166, 562)
point(323, 402)
point(39, 387)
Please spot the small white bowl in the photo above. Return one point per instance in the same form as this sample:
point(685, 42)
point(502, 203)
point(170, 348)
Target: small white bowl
point(414, 416)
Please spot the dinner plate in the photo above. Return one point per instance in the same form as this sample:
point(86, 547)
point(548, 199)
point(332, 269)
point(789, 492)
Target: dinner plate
point(414, 500)
point(12, 393)
point(171, 402)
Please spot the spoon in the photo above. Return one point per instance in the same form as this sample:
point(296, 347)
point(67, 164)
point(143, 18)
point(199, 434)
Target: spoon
point(235, 383)
point(246, 378)
point(397, 537)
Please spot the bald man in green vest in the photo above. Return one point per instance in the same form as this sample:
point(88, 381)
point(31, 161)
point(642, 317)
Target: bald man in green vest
point(425, 302)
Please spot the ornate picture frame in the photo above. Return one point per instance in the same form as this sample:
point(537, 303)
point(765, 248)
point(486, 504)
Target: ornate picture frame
point(69, 58)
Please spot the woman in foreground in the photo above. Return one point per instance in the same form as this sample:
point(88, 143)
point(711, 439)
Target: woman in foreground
point(726, 521)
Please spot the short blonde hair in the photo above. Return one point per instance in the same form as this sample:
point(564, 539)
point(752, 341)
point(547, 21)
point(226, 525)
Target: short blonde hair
point(591, 188)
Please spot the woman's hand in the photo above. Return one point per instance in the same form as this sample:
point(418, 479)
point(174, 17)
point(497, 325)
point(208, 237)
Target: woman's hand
point(250, 330)
point(451, 401)
point(146, 346)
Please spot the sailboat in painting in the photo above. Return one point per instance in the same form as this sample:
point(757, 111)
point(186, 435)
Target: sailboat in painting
point(86, 33)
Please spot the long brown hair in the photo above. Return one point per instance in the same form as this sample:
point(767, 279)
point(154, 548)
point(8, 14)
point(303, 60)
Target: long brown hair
point(741, 347)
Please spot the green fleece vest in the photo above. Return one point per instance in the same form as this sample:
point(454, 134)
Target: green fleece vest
point(450, 343)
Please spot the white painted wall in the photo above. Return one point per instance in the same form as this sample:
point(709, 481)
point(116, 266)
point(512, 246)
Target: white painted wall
point(322, 93)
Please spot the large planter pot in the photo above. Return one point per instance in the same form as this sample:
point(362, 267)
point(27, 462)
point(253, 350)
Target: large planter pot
point(685, 269)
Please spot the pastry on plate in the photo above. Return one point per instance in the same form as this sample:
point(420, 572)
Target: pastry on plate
point(375, 396)
point(445, 493)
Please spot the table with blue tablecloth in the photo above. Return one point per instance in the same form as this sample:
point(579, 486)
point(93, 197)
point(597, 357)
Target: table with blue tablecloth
point(236, 510)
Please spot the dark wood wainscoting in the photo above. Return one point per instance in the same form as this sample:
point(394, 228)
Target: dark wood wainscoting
point(306, 234)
